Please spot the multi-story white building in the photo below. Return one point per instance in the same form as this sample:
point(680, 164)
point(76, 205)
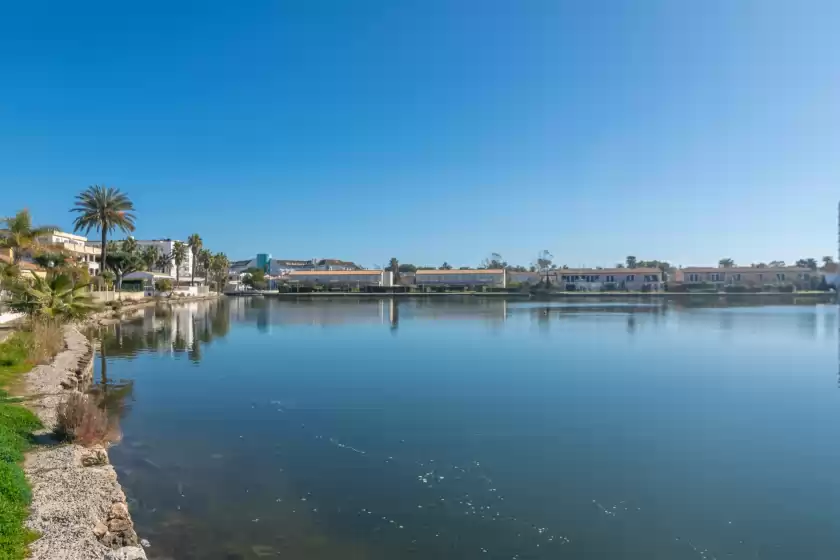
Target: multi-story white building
point(164, 247)
point(343, 278)
point(77, 246)
point(472, 277)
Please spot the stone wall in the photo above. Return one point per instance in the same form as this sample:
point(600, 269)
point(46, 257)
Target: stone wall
point(78, 507)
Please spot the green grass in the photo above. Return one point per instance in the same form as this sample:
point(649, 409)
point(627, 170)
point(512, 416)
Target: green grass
point(16, 427)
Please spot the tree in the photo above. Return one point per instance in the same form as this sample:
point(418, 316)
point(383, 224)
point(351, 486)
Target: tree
point(255, 278)
point(122, 263)
point(544, 263)
point(827, 260)
point(179, 255)
point(149, 256)
point(777, 264)
point(9, 274)
point(164, 262)
point(20, 236)
point(631, 261)
point(54, 297)
point(532, 268)
point(807, 263)
point(104, 209)
point(619, 265)
point(446, 266)
point(494, 261)
point(51, 260)
point(219, 268)
point(204, 257)
point(464, 268)
point(394, 267)
point(726, 263)
point(129, 245)
point(195, 244)
point(407, 268)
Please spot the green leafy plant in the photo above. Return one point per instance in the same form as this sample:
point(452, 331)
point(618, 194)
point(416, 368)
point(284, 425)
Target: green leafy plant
point(54, 297)
point(20, 236)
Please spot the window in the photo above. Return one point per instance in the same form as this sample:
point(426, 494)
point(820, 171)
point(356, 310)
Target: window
point(610, 278)
point(630, 278)
point(780, 276)
point(736, 277)
point(565, 278)
point(715, 276)
point(651, 278)
point(693, 277)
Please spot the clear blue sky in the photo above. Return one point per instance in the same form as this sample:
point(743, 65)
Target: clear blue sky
point(435, 130)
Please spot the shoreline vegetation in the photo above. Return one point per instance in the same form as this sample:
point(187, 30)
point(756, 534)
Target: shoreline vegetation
point(61, 499)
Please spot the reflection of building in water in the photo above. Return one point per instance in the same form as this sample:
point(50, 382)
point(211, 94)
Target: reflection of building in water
point(178, 321)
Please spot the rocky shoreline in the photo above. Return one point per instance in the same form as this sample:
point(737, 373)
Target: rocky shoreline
point(78, 507)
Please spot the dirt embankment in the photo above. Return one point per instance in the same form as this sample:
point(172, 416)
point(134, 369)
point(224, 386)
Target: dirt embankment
point(78, 506)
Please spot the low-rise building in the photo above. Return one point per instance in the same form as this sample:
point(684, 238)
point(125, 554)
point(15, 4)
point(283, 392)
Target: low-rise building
point(599, 279)
point(747, 276)
point(76, 246)
point(341, 278)
point(495, 278)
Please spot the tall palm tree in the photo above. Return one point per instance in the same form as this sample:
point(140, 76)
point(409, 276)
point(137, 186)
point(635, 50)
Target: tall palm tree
point(149, 256)
point(195, 244)
point(179, 255)
point(204, 259)
point(104, 209)
point(19, 235)
point(163, 262)
point(219, 267)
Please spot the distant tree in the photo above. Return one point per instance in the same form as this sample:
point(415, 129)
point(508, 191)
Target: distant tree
point(631, 261)
point(619, 265)
point(219, 268)
point(254, 278)
point(726, 263)
point(179, 255)
point(129, 245)
point(777, 264)
point(104, 209)
point(51, 260)
point(19, 235)
point(149, 256)
point(807, 263)
point(494, 261)
point(544, 259)
point(464, 268)
point(163, 285)
point(194, 242)
point(407, 268)
point(394, 267)
point(204, 258)
point(446, 266)
point(827, 260)
point(759, 265)
point(164, 262)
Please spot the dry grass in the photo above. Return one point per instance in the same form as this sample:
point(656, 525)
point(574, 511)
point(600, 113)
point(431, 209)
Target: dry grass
point(47, 340)
point(82, 420)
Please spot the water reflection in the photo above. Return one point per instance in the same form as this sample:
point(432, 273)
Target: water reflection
point(625, 429)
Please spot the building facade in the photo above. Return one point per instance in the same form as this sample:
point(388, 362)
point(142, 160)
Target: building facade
point(600, 279)
point(164, 247)
point(341, 278)
point(747, 276)
point(77, 246)
point(495, 278)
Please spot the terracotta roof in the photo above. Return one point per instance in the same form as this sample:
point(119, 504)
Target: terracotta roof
point(333, 272)
point(611, 271)
point(470, 271)
point(740, 269)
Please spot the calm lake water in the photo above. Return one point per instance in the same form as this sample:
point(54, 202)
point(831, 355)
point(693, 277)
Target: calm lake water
point(479, 429)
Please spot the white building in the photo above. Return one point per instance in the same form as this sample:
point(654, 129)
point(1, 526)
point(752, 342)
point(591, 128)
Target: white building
point(77, 246)
point(164, 247)
point(466, 278)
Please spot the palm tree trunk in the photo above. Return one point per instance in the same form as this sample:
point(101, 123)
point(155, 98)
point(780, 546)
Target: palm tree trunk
point(102, 255)
point(192, 271)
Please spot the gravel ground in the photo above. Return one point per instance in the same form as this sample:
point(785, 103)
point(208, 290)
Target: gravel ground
point(74, 507)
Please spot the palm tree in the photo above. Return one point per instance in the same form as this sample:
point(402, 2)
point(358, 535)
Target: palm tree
point(446, 266)
point(163, 262)
point(827, 260)
point(19, 236)
point(53, 298)
point(104, 209)
point(394, 267)
point(204, 258)
point(149, 256)
point(195, 244)
point(219, 267)
point(726, 263)
point(631, 261)
point(129, 245)
point(179, 255)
